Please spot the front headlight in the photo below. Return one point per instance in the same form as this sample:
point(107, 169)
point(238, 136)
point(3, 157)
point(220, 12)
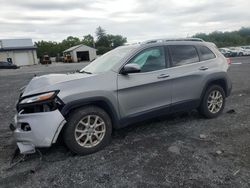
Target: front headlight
point(38, 98)
point(43, 102)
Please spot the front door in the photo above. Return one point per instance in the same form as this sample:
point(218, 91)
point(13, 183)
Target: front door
point(149, 90)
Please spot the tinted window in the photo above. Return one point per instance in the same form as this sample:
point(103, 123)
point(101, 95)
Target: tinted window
point(206, 53)
point(150, 59)
point(183, 54)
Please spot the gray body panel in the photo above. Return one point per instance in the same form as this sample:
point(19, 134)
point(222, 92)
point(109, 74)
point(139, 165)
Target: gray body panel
point(187, 79)
point(138, 93)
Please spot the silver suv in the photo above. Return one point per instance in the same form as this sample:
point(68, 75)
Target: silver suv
point(128, 84)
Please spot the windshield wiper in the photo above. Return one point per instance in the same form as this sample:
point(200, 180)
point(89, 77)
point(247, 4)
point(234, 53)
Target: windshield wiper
point(85, 72)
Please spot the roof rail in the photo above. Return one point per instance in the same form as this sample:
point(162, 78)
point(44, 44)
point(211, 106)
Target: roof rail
point(177, 39)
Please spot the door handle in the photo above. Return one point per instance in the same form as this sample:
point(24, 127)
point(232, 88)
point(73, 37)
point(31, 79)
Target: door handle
point(163, 76)
point(203, 68)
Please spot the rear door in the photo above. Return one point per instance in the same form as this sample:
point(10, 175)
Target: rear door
point(149, 90)
point(188, 70)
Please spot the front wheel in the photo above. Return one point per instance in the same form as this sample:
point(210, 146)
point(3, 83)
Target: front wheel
point(88, 130)
point(213, 102)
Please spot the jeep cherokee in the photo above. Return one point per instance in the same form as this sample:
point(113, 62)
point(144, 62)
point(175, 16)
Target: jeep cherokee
point(126, 85)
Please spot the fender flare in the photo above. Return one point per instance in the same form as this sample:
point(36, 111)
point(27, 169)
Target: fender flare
point(214, 79)
point(99, 101)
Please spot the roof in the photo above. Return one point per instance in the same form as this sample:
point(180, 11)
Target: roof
point(16, 44)
point(78, 46)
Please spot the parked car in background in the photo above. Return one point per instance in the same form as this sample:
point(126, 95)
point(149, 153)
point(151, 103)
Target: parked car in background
point(7, 65)
point(238, 50)
point(246, 50)
point(227, 52)
point(126, 85)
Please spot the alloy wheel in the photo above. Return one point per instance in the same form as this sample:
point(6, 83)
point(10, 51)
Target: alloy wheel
point(215, 101)
point(90, 131)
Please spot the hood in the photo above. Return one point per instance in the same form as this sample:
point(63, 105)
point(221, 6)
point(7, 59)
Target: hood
point(41, 84)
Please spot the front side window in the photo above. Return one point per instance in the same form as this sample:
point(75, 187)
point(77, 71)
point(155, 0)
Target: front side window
point(151, 59)
point(183, 54)
point(206, 53)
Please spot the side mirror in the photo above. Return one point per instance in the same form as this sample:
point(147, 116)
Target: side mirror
point(130, 68)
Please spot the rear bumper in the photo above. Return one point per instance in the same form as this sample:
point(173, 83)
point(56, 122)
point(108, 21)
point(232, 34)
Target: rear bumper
point(229, 90)
point(37, 130)
point(229, 87)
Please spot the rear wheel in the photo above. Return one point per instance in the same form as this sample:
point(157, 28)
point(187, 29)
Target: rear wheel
point(88, 130)
point(213, 102)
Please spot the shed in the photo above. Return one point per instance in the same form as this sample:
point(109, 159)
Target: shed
point(18, 51)
point(81, 53)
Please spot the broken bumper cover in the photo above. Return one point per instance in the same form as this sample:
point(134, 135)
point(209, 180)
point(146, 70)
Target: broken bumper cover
point(37, 130)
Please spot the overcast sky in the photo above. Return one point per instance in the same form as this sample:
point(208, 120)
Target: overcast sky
point(136, 19)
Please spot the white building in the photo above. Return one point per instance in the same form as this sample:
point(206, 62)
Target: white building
point(18, 51)
point(81, 53)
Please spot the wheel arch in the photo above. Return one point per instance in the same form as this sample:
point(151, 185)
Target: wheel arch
point(100, 102)
point(221, 81)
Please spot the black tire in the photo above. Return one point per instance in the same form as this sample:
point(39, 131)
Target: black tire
point(240, 54)
point(72, 122)
point(204, 110)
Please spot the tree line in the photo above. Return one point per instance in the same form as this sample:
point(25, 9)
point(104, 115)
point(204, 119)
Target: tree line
point(240, 37)
point(103, 43)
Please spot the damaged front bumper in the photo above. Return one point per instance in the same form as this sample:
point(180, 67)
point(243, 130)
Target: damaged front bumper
point(36, 129)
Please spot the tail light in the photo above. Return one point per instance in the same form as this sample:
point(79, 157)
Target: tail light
point(229, 61)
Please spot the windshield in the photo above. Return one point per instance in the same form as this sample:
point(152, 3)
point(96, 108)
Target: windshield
point(108, 60)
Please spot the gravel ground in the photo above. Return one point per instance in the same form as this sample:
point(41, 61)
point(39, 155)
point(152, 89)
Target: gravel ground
point(180, 150)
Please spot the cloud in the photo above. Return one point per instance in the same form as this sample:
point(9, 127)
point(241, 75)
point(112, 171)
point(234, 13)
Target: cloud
point(52, 5)
point(136, 19)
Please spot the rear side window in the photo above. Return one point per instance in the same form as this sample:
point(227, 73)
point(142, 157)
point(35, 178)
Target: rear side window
point(206, 53)
point(183, 54)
